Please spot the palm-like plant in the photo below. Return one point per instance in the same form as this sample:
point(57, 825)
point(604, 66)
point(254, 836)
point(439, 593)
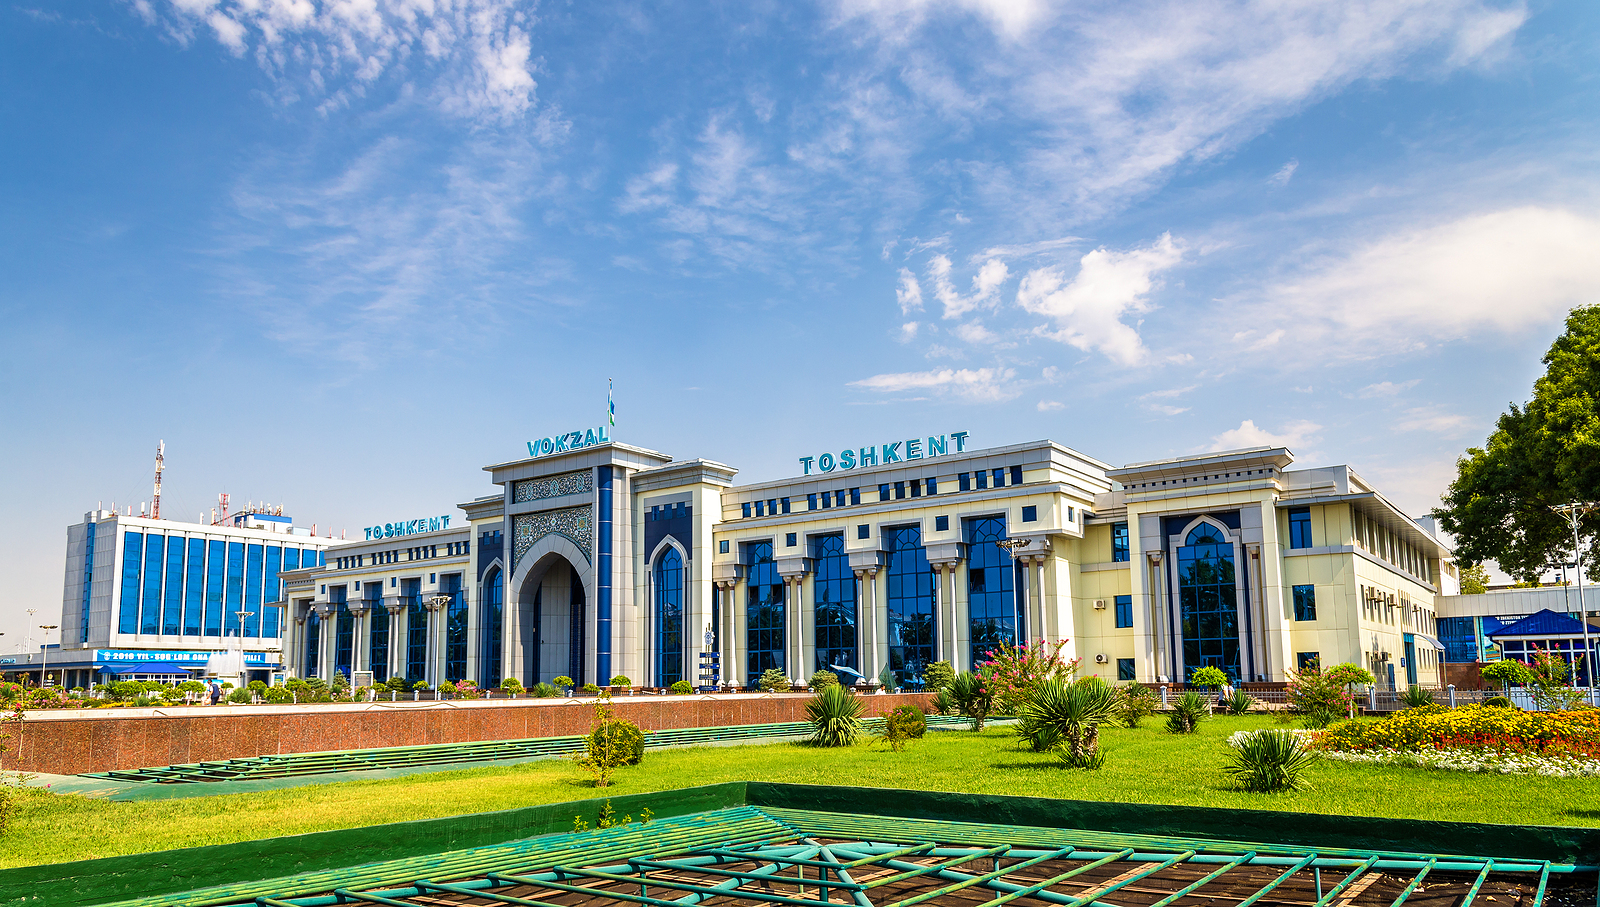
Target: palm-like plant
point(1269, 760)
point(1074, 711)
point(970, 696)
point(1188, 711)
point(835, 716)
point(1416, 697)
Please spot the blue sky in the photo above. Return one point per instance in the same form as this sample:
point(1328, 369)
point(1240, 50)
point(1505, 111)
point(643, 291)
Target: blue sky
point(339, 255)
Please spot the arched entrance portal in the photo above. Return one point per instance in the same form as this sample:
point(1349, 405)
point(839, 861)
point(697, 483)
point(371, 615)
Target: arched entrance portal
point(550, 633)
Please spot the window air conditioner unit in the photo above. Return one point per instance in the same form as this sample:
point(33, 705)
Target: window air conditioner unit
point(1101, 659)
point(1099, 604)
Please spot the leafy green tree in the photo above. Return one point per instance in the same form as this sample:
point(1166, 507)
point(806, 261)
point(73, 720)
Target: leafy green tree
point(1506, 672)
point(1541, 454)
point(1208, 676)
point(1348, 675)
point(1474, 580)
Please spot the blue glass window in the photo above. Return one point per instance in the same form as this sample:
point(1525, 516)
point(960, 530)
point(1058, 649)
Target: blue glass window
point(172, 612)
point(746, 507)
point(291, 559)
point(1300, 527)
point(252, 590)
point(941, 524)
point(416, 630)
point(668, 577)
point(964, 482)
point(981, 479)
point(1207, 602)
point(313, 636)
point(1124, 606)
point(344, 629)
point(885, 493)
point(88, 578)
point(864, 531)
point(1000, 477)
point(790, 540)
point(763, 612)
point(1125, 669)
point(855, 496)
point(1460, 638)
point(722, 547)
point(933, 485)
point(834, 595)
point(235, 598)
point(899, 491)
point(150, 610)
point(1119, 542)
point(132, 557)
point(455, 628)
point(1307, 661)
point(1030, 514)
point(991, 588)
point(269, 618)
point(494, 597)
point(1016, 475)
point(811, 501)
point(1305, 602)
point(377, 633)
point(216, 578)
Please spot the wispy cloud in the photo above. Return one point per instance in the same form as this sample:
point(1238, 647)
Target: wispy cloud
point(973, 385)
point(1387, 389)
point(1284, 174)
point(1088, 309)
point(1293, 434)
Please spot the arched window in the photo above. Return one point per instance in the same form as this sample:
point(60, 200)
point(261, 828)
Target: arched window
point(909, 603)
point(1205, 534)
point(668, 579)
point(991, 588)
point(1208, 600)
point(494, 596)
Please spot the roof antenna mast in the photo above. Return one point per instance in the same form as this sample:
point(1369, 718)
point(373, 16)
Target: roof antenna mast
point(161, 463)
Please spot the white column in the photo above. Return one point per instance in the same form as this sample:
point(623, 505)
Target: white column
point(397, 638)
point(808, 625)
point(877, 626)
point(293, 649)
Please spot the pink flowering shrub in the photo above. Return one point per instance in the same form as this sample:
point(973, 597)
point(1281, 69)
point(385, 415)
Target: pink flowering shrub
point(1012, 672)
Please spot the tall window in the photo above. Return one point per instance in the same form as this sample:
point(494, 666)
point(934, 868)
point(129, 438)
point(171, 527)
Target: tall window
point(1305, 602)
point(172, 611)
point(909, 603)
point(150, 612)
point(252, 590)
point(194, 593)
point(416, 630)
point(455, 628)
point(216, 578)
point(234, 601)
point(1300, 527)
point(763, 612)
point(668, 578)
point(1207, 597)
point(991, 587)
point(378, 634)
point(344, 630)
point(1119, 542)
point(494, 596)
point(132, 557)
point(835, 599)
point(1126, 669)
point(1124, 605)
point(313, 642)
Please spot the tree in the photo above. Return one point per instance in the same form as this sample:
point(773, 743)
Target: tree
point(1546, 453)
point(1348, 675)
point(1506, 672)
point(1474, 580)
point(1208, 676)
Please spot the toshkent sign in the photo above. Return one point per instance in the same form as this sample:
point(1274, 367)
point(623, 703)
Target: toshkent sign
point(893, 452)
point(408, 527)
point(572, 440)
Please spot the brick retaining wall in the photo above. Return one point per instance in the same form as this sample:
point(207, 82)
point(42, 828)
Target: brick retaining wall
point(69, 743)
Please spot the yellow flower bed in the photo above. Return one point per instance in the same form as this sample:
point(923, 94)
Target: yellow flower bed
point(1574, 733)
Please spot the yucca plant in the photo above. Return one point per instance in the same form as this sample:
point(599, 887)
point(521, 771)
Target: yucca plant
point(1075, 712)
point(1416, 697)
point(835, 716)
point(970, 695)
point(1238, 703)
point(1040, 738)
point(1188, 711)
point(1269, 760)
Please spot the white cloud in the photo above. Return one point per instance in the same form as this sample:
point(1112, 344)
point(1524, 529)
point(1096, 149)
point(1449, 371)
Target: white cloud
point(1285, 173)
point(1292, 435)
point(908, 331)
point(1387, 388)
point(974, 385)
point(1088, 309)
point(1433, 421)
point(1048, 406)
point(1167, 410)
point(908, 293)
point(973, 332)
point(477, 53)
point(985, 286)
point(1491, 273)
point(1169, 392)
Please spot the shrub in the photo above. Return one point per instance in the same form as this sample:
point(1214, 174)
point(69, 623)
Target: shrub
point(970, 696)
point(242, 696)
point(126, 690)
point(1040, 738)
point(396, 684)
point(142, 700)
point(544, 690)
point(420, 686)
point(447, 688)
point(511, 686)
point(1416, 697)
point(822, 679)
point(835, 715)
point(1208, 676)
point(279, 694)
point(681, 688)
point(341, 682)
point(610, 744)
point(1550, 689)
point(1135, 702)
point(171, 694)
point(1268, 760)
point(590, 688)
point(466, 689)
point(1506, 672)
point(937, 676)
point(621, 680)
point(1013, 671)
point(905, 722)
point(191, 686)
point(1188, 711)
point(1075, 711)
point(1239, 703)
point(942, 702)
point(563, 682)
point(257, 686)
point(1499, 702)
point(1502, 730)
point(1319, 699)
point(773, 681)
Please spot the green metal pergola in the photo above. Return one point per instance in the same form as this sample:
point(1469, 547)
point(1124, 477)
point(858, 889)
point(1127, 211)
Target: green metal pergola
point(782, 857)
point(290, 765)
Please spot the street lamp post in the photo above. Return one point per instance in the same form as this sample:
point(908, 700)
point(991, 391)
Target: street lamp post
point(243, 613)
point(1011, 546)
point(1574, 513)
point(44, 654)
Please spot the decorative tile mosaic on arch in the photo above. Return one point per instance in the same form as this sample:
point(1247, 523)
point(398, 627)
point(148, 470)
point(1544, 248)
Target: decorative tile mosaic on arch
point(575, 524)
point(555, 486)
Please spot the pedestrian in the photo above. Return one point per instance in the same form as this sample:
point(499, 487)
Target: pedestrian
point(1225, 693)
point(216, 693)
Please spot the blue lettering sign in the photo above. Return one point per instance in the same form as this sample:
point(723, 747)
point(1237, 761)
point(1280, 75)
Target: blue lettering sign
point(891, 453)
point(850, 458)
point(847, 459)
point(574, 440)
point(408, 527)
point(825, 462)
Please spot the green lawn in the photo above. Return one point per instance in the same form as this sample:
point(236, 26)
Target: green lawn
point(1147, 765)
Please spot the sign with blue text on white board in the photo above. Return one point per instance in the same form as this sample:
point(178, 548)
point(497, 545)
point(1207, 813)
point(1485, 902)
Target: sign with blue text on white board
point(893, 452)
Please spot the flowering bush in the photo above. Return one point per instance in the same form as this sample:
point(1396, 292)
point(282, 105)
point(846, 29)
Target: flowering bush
point(1012, 672)
point(1476, 729)
point(1476, 760)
